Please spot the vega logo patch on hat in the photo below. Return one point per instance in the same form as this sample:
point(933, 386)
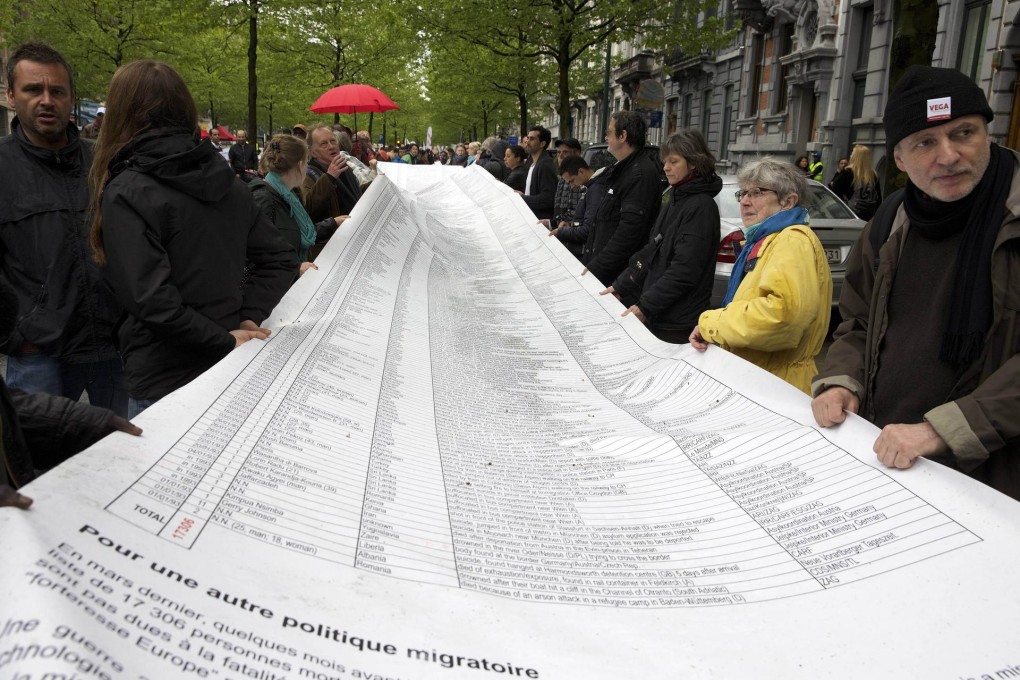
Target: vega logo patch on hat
point(940, 109)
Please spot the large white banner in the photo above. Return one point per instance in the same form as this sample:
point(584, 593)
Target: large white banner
point(453, 459)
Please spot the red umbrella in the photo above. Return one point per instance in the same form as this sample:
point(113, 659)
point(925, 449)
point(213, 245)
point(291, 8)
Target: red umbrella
point(225, 135)
point(353, 99)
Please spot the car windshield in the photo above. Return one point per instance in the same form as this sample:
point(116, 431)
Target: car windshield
point(821, 204)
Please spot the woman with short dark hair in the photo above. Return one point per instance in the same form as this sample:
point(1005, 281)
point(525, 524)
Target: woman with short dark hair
point(515, 157)
point(668, 283)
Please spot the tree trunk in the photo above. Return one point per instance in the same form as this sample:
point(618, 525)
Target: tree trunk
point(253, 45)
point(522, 100)
point(563, 61)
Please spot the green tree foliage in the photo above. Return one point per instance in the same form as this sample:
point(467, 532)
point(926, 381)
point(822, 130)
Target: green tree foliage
point(562, 33)
point(97, 36)
point(246, 61)
point(457, 65)
point(473, 92)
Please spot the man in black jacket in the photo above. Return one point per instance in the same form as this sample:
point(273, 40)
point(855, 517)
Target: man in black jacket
point(62, 341)
point(328, 189)
point(243, 157)
point(567, 195)
point(39, 431)
point(578, 175)
point(631, 202)
point(540, 186)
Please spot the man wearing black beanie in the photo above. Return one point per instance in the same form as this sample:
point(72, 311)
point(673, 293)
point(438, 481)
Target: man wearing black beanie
point(928, 349)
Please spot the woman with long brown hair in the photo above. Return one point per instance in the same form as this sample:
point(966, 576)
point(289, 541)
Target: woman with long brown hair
point(172, 230)
point(859, 182)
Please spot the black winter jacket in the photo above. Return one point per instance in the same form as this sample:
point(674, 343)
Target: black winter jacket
point(243, 158)
point(516, 178)
point(677, 286)
point(493, 164)
point(543, 188)
point(41, 431)
point(63, 308)
point(275, 208)
point(178, 228)
point(575, 235)
point(625, 216)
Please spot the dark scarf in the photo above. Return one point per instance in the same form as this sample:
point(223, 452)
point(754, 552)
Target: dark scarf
point(970, 310)
point(689, 178)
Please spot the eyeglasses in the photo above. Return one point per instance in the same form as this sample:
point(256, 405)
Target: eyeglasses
point(753, 193)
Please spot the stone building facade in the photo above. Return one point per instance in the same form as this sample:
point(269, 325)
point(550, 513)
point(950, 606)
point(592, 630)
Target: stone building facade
point(814, 75)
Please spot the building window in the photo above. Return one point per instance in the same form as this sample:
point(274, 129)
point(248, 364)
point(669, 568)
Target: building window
point(785, 48)
point(915, 34)
point(688, 105)
point(671, 115)
point(975, 27)
point(706, 111)
point(757, 66)
point(724, 141)
point(866, 21)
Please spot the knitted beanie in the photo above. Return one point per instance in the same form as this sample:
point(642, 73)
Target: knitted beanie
point(926, 97)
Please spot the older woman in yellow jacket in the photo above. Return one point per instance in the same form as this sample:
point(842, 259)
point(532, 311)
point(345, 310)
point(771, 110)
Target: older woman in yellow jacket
point(776, 310)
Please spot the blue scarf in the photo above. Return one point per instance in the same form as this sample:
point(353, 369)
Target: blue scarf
point(297, 211)
point(771, 225)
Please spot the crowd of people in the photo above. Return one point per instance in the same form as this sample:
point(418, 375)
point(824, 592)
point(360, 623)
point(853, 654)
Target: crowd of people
point(131, 264)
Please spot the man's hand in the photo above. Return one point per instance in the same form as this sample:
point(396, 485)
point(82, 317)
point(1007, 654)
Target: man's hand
point(9, 498)
point(553, 232)
point(900, 445)
point(340, 219)
point(249, 331)
point(831, 406)
point(305, 266)
point(635, 310)
point(545, 223)
point(585, 271)
point(697, 341)
point(337, 167)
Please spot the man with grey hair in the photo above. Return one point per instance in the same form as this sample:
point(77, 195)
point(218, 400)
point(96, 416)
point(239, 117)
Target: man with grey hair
point(328, 189)
point(61, 341)
point(491, 155)
point(928, 349)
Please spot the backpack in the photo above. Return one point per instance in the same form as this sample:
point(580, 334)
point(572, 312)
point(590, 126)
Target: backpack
point(865, 201)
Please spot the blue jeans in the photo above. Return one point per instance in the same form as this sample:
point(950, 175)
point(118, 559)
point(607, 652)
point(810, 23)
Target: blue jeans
point(103, 380)
point(136, 406)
